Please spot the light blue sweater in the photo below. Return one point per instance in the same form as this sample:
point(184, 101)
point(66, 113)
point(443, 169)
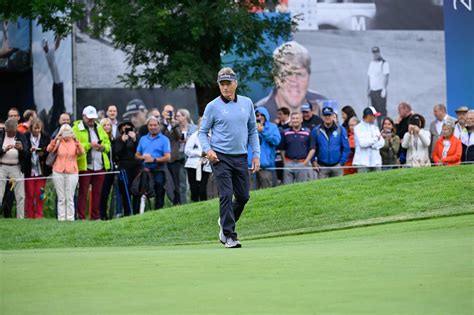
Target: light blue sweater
point(233, 126)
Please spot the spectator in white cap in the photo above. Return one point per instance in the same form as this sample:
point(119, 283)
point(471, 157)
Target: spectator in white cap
point(368, 142)
point(93, 163)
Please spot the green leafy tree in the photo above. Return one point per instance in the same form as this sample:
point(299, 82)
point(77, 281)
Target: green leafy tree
point(53, 15)
point(178, 43)
point(172, 43)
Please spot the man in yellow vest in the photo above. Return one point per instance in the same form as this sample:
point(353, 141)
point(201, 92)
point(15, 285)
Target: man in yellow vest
point(93, 163)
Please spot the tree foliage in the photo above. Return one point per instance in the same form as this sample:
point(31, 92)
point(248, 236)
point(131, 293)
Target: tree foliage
point(179, 43)
point(53, 15)
point(172, 43)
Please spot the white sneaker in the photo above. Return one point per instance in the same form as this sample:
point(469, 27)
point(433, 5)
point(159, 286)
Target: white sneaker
point(232, 243)
point(222, 237)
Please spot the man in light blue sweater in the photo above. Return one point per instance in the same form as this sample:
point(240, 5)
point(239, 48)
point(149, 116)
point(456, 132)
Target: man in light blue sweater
point(230, 122)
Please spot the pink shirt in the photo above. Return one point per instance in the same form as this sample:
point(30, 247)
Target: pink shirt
point(66, 161)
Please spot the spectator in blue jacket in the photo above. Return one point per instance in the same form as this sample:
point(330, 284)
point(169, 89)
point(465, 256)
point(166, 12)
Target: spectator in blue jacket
point(269, 137)
point(331, 145)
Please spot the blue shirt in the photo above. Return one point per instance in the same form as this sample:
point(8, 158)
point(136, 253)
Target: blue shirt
point(296, 143)
point(233, 126)
point(157, 147)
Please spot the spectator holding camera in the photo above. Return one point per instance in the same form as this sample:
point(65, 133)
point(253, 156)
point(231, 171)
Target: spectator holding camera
point(417, 142)
point(65, 170)
point(36, 166)
point(448, 148)
point(13, 159)
point(136, 112)
point(64, 118)
point(389, 152)
point(93, 163)
point(125, 147)
point(269, 138)
point(175, 165)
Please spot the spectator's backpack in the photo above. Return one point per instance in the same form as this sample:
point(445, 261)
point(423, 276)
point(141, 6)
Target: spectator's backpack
point(143, 184)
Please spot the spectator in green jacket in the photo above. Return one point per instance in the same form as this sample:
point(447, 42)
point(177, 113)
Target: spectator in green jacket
point(93, 163)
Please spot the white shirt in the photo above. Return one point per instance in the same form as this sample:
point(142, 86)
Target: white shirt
point(367, 145)
point(467, 138)
point(378, 69)
point(35, 167)
point(458, 130)
point(96, 156)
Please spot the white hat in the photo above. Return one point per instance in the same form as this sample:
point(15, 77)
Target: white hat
point(90, 112)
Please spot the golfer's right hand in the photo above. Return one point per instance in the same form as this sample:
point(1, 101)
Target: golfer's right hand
point(212, 156)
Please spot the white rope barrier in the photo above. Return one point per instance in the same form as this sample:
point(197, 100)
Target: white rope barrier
point(56, 176)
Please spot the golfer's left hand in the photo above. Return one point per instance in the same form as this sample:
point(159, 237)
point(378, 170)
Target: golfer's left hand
point(255, 165)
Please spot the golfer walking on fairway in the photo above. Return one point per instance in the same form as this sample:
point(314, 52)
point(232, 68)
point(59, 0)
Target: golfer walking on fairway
point(230, 120)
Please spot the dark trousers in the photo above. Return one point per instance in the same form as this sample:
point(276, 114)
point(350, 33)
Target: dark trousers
point(232, 180)
point(198, 189)
point(96, 181)
point(159, 178)
point(109, 182)
point(174, 169)
point(130, 173)
point(7, 202)
point(380, 104)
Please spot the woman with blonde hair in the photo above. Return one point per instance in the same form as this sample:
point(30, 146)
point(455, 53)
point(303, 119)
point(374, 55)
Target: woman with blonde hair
point(187, 128)
point(65, 170)
point(109, 179)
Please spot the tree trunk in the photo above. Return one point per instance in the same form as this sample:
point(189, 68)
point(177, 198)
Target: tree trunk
point(205, 94)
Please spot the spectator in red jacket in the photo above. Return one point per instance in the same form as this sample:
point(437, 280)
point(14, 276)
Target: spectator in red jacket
point(448, 148)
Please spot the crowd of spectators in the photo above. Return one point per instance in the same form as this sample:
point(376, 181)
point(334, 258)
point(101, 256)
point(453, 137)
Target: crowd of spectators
point(103, 168)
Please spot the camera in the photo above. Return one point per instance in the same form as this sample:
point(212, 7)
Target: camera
point(259, 121)
point(170, 115)
point(127, 130)
point(183, 136)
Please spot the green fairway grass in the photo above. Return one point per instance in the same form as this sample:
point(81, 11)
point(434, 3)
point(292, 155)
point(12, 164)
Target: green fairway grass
point(343, 202)
point(418, 267)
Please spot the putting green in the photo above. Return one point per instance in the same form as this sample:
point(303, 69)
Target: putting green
point(419, 267)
